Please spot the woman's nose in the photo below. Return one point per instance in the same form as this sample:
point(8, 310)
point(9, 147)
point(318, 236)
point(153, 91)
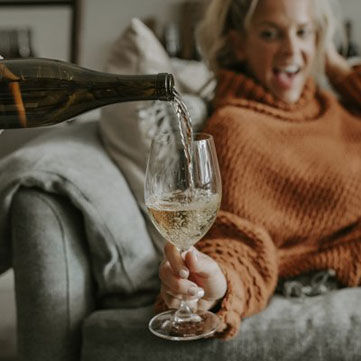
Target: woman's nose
point(289, 44)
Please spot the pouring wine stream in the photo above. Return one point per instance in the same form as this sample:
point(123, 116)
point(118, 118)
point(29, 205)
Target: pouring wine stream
point(183, 194)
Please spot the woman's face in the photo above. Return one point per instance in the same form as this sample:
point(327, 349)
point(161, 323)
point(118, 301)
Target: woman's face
point(279, 46)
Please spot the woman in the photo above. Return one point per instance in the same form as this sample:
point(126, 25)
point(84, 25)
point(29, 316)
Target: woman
point(290, 158)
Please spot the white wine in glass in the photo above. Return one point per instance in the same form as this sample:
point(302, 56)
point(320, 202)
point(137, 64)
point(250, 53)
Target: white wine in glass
point(183, 196)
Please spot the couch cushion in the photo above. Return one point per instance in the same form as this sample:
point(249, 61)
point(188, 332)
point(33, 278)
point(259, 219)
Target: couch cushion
point(326, 327)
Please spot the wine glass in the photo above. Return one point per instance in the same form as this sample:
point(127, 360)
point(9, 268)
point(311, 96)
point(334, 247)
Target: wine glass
point(183, 194)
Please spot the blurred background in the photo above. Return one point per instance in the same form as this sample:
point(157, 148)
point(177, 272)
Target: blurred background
point(82, 31)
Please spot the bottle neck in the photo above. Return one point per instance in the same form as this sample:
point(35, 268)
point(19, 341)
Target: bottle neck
point(122, 88)
point(145, 87)
point(165, 86)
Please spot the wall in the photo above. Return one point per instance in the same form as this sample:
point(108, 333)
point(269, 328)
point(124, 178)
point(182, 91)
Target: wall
point(101, 28)
point(351, 9)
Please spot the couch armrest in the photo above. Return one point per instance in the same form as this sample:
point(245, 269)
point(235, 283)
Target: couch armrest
point(53, 283)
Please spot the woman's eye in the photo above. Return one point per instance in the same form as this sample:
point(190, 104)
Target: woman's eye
point(304, 32)
point(269, 34)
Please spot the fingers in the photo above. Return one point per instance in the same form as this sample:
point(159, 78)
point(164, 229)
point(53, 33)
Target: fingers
point(206, 273)
point(175, 260)
point(174, 301)
point(192, 276)
point(200, 263)
point(176, 285)
point(191, 296)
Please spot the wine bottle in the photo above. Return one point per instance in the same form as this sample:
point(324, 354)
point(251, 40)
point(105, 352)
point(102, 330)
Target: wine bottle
point(37, 92)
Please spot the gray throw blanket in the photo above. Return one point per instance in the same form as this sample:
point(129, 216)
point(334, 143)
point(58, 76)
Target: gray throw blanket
point(72, 162)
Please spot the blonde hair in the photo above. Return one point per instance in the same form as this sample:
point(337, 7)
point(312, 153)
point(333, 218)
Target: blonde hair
point(222, 16)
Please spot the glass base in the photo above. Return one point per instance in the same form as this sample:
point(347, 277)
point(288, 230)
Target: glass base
point(201, 326)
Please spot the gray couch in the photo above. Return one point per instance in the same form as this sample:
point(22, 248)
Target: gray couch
point(71, 307)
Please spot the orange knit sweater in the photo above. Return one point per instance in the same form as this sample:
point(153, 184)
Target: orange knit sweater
point(291, 189)
point(291, 200)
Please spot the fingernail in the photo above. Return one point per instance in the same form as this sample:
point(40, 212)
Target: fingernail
point(195, 255)
point(183, 273)
point(192, 291)
point(195, 291)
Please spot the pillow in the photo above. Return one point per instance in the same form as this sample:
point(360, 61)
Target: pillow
point(127, 128)
point(138, 51)
point(194, 77)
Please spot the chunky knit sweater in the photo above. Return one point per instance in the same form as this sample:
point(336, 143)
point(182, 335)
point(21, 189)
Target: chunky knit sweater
point(291, 202)
point(291, 178)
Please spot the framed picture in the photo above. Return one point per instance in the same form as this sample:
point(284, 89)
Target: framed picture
point(25, 24)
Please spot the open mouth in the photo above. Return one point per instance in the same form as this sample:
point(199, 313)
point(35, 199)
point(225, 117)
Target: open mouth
point(285, 75)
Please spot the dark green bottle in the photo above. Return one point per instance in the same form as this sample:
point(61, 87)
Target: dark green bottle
point(38, 92)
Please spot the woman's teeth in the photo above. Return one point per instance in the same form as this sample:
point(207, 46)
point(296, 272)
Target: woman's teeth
point(290, 69)
point(285, 76)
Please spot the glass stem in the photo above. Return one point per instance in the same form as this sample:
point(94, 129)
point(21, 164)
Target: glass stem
point(184, 313)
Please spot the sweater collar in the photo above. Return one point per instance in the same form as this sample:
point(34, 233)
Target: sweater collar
point(240, 90)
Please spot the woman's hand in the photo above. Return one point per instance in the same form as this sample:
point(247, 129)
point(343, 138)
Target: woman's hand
point(192, 276)
point(337, 67)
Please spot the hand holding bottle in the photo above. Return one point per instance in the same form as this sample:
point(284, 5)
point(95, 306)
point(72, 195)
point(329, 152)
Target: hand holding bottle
point(193, 276)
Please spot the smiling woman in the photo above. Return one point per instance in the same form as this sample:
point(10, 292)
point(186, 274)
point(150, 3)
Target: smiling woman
point(280, 43)
point(284, 33)
point(289, 154)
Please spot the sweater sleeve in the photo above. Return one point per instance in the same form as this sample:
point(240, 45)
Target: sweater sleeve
point(350, 87)
point(248, 258)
